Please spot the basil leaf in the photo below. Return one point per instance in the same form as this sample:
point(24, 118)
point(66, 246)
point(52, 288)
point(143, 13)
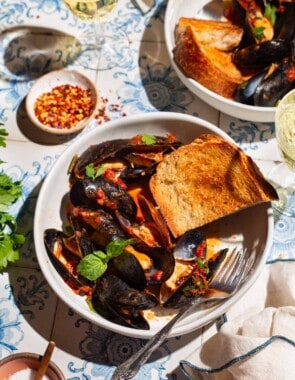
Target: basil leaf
point(93, 266)
point(116, 247)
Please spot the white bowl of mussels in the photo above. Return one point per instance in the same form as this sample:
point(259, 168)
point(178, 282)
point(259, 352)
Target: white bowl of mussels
point(265, 65)
point(63, 215)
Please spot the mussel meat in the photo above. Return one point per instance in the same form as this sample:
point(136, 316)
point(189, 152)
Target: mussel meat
point(64, 261)
point(140, 265)
point(193, 282)
point(149, 225)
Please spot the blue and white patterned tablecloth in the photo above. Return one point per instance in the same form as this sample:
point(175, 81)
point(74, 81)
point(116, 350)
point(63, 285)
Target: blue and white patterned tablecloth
point(31, 313)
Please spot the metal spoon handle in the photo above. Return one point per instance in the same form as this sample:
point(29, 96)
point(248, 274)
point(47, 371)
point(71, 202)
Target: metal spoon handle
point(131, 366)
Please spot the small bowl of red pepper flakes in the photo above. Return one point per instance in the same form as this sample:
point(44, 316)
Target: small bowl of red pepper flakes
point(62, 102)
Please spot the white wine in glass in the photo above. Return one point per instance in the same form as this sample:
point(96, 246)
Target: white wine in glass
point(91, 11)
point(110, 43)
point(283, 175)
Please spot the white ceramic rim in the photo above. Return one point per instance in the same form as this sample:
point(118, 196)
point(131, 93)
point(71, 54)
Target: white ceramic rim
point(44, 261)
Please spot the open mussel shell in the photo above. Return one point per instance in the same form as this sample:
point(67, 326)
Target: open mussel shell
point(96, 154)
point(132, 150)
point(144, 265)
point(190, 287)
point(190, 245)
point(64, 261)
point(117, 301)
point(269, 86)
point(163, 264)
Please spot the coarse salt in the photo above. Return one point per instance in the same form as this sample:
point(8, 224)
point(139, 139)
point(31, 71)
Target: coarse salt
point(25, 374)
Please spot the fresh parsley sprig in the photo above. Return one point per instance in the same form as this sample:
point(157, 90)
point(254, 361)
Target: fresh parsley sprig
point(10, 191)
point(93, 265)
point(3, 135)
point(10, 241)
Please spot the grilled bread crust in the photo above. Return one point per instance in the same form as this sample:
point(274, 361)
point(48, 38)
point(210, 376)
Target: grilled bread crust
point(203, 52)
point(206, 180)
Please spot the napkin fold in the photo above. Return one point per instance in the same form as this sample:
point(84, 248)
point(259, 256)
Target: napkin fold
point(257, 340)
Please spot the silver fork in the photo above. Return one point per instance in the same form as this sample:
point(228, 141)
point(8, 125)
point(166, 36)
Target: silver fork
point(224, 283)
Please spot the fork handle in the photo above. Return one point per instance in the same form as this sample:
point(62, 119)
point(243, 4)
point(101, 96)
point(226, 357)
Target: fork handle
point(130, 367)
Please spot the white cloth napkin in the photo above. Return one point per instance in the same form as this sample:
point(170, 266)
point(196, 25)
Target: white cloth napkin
point(258, 339)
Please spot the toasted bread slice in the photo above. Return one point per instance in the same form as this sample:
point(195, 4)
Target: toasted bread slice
point(221, 35)
point(201, 51)
point(206, 180)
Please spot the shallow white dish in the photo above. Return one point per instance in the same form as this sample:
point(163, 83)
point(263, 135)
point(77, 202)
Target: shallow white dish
point(236, 230)
point(192, 8)
point(57, 78)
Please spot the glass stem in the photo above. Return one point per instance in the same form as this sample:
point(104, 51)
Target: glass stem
point(99, 28)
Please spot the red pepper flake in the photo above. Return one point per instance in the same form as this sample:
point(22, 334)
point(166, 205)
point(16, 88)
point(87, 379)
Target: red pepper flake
point(201, 250)
point(64, 106)
point(291, 74)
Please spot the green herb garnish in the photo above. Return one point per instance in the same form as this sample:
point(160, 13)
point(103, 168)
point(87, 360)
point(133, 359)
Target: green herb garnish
point(270, 13)
point(10, 191)
point(93, 172)
point(10, 241)
point(259, 32)
point(148, 139)
point(3, 134)
point(200, 263)
point(93, 265)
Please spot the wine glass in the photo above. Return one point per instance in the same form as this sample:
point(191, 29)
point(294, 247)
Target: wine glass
point(110, 45)
point(283, 175)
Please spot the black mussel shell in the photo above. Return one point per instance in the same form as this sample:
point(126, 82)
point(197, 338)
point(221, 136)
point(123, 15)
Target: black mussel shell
point(100, 224)
point(118, 302)
point(276, 85)
point(163, 264)
point(84, 244)
point(96, 154)
point(112, 290)
point(260, 56)
point(285, 25)
point(129, 318)
point(60, 256)
point(190, 245)
point(185, 293)
point(101, 192)
point(245, 92)
point(129, 270)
